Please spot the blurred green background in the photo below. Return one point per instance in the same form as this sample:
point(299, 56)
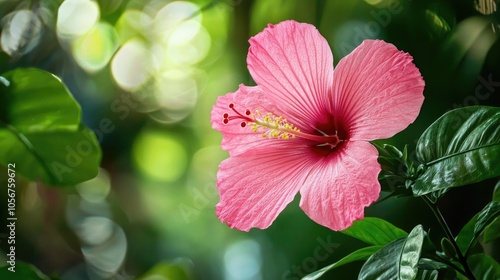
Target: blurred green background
point(147, 74)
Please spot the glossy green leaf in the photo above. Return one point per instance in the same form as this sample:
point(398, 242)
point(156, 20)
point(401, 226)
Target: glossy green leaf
point(40, 130)
point(374, 231)
point(384, 264)
point(57, 158)
point(397, 260)
point(358, 255)
point(408, 265)
point(471, 231)
point(37, 101)
point(21, 271)
point(460, 148)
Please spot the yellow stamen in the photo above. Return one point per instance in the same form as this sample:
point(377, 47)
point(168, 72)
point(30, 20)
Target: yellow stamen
point(272, 126)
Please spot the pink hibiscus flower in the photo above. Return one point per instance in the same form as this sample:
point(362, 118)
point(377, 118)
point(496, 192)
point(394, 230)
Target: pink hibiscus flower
point(305, 128)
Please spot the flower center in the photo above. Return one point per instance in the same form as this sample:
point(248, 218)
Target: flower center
point(272, 126)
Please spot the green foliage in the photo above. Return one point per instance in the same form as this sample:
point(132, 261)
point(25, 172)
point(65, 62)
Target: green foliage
point(371, 230)
point(411, 253)
point(433, 270)
point(398, 172)
point(358, 255)
point(496, 192)
point(41, 131)
point(483, 267)
point(397, 260)
point(471, 231)
point(374, 231)
point(460, 148)
point(492, 231)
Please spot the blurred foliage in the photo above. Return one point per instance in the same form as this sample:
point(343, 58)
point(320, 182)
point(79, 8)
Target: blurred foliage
point(146, 74)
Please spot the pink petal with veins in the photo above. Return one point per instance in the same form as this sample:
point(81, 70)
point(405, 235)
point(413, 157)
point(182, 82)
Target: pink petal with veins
point(378, 91)
point(293, 65)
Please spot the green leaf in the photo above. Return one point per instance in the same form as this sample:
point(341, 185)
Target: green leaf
point(57, 158)
point(408, 265)
point(492, 231)
point(496, 192)
point(486, 216)
point(358, 255)
point(40, 130)
point(374, 231)
point(397, 260)
point(384, 264)
point(460, 148)
point(466, 235)
point(484, 267)
point(448, 248)
point(37, 101)
point(433, 270)
point(428, 264)
point(22, 271)
point(471, 231)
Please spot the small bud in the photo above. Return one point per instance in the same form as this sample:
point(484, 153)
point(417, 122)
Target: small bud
point(448, 248)
point(393, 151)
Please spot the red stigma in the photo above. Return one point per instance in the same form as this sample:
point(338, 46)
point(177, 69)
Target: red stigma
point(245, 118)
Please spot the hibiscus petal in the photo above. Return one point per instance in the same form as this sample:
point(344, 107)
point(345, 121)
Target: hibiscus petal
point(340, 186)
point(237, 139)
point(255, 187)
point(293, 64)
point(377, 91)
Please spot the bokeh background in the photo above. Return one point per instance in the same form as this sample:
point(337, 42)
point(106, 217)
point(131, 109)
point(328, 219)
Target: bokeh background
point(147, 73)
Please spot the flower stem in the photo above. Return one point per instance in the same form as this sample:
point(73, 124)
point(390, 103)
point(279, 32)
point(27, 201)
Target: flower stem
point(449, 234)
